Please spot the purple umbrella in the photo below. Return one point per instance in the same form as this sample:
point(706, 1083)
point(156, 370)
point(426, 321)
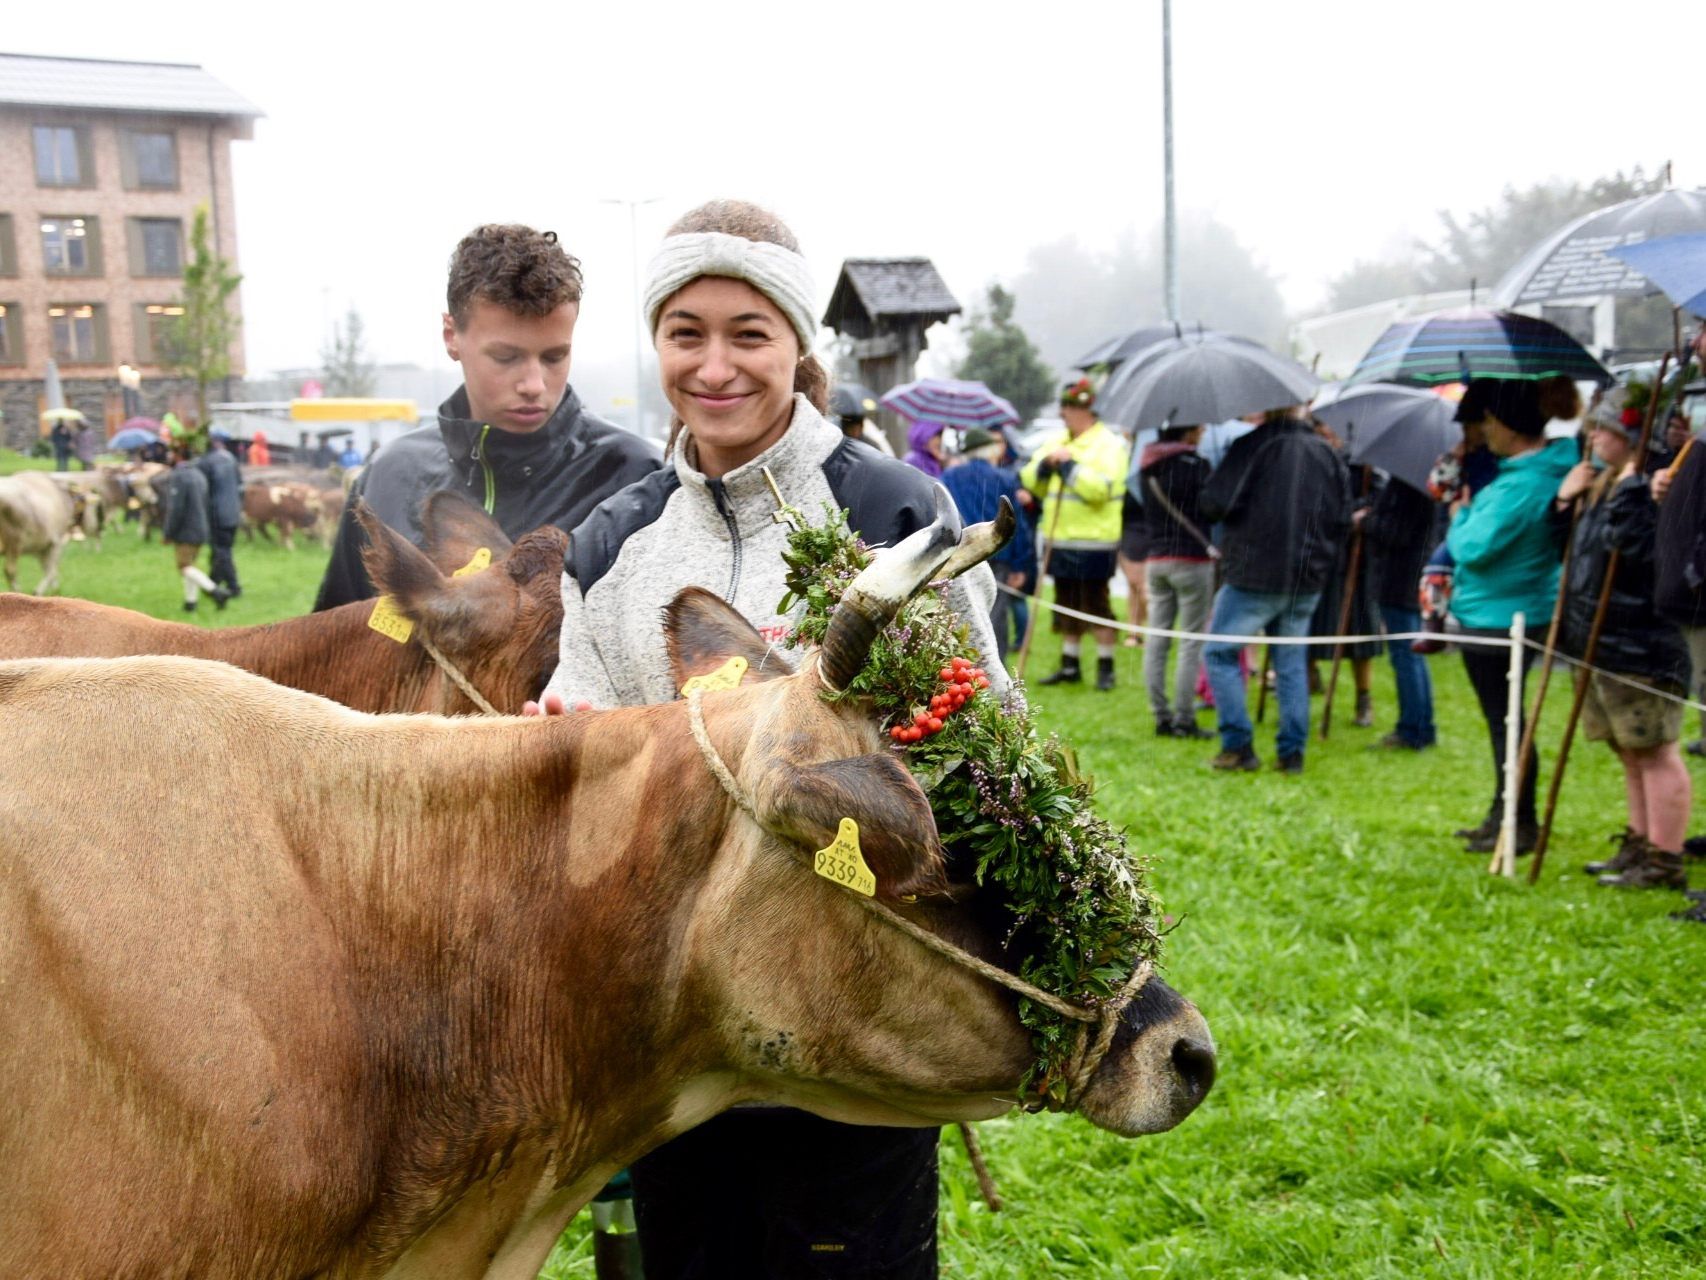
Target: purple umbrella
point(959, 404)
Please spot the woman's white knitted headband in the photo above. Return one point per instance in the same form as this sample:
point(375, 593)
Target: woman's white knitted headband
point(779, 274)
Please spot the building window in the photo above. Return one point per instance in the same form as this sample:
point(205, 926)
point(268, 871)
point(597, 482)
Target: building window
point(70, 246)
point(149, 160)
point(156, 247)
point(8, 247)
point(62, 156)
point(79, 333)
point(11, 340)
point(154, 324)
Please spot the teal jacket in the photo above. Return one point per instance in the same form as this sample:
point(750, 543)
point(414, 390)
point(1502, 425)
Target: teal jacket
point(1505, 543)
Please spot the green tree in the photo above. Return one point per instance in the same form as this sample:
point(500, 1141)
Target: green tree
point(199, 344)
point(999, 355)
point(343, 358)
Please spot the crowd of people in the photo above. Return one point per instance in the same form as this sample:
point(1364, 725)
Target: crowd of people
point(1527, 514)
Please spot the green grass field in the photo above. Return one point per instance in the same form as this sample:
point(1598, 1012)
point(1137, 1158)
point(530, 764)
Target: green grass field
point(1424, 1070)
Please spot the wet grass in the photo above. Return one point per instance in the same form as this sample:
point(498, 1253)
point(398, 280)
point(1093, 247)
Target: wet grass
point(1424, 1070)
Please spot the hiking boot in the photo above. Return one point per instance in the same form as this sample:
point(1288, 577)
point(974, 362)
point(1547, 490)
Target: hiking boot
point(1187, 727)
point(1653, 869)
point(1104, 675)
point(1243, 759)
point(1527, 836)
point(1628, 843)
point(1164, 727)
point(1069, 673)
point(1694, 915)
point(1398, 742)
point(1289, 764)
point(1489, 827)
point(1364, 718)
point(189, 606)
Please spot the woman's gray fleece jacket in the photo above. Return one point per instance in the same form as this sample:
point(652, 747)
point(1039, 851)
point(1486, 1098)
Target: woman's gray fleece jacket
point(679, 528)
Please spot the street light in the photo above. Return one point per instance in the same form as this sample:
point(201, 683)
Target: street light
point(640, 334)
point(130, 385)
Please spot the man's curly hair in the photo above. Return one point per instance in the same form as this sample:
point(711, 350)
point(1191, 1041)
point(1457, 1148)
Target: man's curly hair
point(514, 267)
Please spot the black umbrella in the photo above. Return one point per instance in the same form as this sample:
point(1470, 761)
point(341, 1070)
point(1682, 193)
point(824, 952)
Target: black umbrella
point(1401, 430)
point(1572, 262)
point(1202, 377)
point(852, 400)
point(1122, 347)
point(1455, 346)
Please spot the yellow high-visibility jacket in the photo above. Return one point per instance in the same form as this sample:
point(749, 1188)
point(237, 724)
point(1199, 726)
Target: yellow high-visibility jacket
point(1089, 488)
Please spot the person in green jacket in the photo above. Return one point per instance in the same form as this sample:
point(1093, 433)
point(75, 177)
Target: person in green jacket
point(1083, 469)
point(1506, 546)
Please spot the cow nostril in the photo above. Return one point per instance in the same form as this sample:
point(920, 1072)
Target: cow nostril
point(1194, 1061)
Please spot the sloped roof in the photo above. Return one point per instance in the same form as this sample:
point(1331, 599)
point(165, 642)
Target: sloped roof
point(869, 289)
point(169, 88)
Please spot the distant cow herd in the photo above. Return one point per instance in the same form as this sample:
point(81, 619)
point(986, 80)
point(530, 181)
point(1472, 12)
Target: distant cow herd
point(295, 990)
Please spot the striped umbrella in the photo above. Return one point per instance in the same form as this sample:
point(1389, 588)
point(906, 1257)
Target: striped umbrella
point(1455, 346)
point(959, 404)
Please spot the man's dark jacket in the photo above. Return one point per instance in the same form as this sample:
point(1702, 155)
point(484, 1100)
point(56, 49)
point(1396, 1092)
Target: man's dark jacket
point(185, 517)
point(224, 488)
point(555, 475)
point(1633, 640)
point(1282, 495)
point(1680, 587)
point(1401, 530)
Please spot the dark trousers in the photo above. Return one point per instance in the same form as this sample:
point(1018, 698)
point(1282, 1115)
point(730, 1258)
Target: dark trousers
point(224, 569)
point(1489, 676)
point(774, 1194)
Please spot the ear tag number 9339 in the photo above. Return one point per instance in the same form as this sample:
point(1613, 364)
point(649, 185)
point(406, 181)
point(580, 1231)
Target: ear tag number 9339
point(481, 560)
point(843, 863)
point(726, 676)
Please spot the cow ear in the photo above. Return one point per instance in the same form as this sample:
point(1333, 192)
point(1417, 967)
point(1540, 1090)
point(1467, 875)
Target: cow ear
point(455, 529)
point(396, 565)
point(897, 832)
point(539, 552)
point(703, 633)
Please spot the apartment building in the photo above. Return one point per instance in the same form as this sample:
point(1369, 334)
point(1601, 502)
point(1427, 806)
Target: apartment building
point(102, 166)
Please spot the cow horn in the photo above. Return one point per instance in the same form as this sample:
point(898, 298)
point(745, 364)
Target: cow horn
point(896, 575)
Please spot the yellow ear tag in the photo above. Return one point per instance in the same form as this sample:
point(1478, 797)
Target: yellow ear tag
point(843, 863)
point(726, 676)
point(389, 622)
point(482, 559)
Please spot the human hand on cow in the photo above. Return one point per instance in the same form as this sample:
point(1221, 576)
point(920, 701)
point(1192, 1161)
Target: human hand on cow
point(551, 704)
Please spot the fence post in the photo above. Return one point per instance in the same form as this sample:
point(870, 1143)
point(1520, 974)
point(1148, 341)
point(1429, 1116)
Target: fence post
point(1504, 851)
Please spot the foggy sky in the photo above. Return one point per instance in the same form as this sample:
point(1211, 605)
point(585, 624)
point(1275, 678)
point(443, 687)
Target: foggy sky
point(1318, 132)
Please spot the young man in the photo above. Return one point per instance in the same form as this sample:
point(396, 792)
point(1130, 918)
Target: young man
point(514, 438)
point(1083, 469)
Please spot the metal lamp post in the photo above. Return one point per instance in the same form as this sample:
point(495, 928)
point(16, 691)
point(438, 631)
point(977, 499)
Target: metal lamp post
point(639, 320)
point(130, 386)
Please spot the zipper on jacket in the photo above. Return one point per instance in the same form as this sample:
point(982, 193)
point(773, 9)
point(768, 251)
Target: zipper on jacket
point(716, 487)
point(479, 456)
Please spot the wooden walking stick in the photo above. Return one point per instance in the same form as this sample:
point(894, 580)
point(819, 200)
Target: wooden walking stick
point(974, 1152)
point(1262, 682)
point(1591, 644)
point(1351, 570)
point(1037, 594)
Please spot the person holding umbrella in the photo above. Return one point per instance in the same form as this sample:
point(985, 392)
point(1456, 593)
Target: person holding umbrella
point(1083, 470)
point(1505, 546)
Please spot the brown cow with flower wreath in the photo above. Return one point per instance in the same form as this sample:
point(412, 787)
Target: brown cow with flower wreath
point(403, 1012)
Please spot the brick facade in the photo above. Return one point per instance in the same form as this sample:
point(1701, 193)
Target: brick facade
point(119, 283)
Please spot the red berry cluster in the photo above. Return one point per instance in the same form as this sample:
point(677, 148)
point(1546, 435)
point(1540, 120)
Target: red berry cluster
point(963, 681)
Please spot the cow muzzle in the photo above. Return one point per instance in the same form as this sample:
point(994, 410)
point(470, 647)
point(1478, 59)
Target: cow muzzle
point(1158, 1068)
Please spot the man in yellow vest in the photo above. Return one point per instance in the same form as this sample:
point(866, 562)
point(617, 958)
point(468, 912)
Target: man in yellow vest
point(1083, 469)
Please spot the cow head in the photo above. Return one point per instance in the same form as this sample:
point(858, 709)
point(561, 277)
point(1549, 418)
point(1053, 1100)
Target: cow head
point(829, 1007)
point(499, 623)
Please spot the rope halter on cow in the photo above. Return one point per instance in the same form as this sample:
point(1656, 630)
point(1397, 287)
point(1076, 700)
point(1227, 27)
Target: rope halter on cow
point(1097, 1023)
point(457, 678)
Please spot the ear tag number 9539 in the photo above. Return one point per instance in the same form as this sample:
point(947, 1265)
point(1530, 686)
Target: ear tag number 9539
point(843, 863)
point(726, 676)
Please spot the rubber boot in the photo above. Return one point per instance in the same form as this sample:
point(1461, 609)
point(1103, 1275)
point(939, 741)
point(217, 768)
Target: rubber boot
point(1069, 673)
point(1104, 675)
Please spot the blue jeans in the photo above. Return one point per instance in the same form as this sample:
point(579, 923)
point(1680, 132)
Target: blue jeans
point(1410, 672)
point(1245, 613)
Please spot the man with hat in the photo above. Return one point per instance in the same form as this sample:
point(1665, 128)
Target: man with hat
point(1083, 469)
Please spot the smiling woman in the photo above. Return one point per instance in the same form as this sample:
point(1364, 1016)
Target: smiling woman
point(756, 1191)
